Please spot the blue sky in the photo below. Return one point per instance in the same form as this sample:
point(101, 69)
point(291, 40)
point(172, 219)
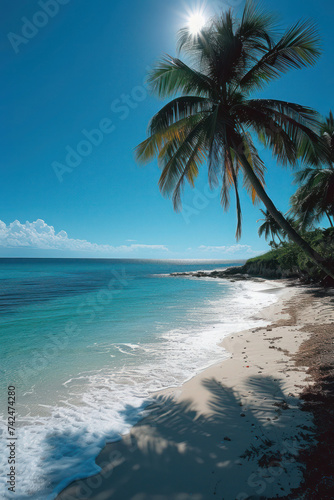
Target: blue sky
point(83, 68)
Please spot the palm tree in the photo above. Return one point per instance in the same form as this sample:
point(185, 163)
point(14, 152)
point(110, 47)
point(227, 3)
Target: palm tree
point(314, 199)
point(327, 132)
point(212, 116)
point(270, 228)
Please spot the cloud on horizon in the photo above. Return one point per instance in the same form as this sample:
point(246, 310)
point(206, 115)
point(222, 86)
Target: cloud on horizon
point(230, 249)
point(40, 236)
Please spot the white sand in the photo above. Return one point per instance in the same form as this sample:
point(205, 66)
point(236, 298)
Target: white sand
point(233, 432)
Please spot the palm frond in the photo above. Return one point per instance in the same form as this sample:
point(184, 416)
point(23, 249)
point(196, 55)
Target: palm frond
point(171, 76)
point(284, 127)
point(178, 109)
point(298, 47)
point(257, 26)
point(154, 144)
point(257, 165)
point(181, 159)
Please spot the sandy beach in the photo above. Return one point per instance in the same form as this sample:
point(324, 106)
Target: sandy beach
point(234, 431)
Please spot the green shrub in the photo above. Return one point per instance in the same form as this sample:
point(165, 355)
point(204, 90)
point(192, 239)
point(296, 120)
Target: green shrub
point(289, 260)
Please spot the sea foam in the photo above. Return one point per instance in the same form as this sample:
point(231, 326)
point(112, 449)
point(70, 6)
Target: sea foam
point(102, 404)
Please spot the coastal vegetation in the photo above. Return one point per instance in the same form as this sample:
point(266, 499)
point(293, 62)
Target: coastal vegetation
point(288, 260)
point(213, 116)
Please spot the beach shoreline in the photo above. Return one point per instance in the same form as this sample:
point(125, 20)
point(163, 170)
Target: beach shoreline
point(170, 330)
point(233, 431)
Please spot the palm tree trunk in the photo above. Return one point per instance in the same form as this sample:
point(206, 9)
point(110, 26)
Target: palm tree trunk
point(330, 220)
point(293, 235)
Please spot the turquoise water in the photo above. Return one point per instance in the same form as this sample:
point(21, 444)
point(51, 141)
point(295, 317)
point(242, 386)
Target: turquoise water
point(85, 343)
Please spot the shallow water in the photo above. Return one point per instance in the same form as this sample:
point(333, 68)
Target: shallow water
point(85, 343)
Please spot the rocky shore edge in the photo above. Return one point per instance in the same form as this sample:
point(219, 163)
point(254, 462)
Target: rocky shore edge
point(237, 273)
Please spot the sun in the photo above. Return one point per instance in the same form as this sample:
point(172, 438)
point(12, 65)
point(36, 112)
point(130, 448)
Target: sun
point(196, 22)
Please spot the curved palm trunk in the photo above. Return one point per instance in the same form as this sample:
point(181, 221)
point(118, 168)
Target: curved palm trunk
point(293, 235)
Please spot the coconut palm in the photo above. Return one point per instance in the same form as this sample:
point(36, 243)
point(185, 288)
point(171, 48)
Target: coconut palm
point(314, 198)
point(327, 132)
point(270, 228)
point(212, 116)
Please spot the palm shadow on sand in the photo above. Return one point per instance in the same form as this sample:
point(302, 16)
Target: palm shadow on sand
point(178, 453)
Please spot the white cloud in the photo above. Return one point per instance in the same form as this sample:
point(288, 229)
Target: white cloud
point(231, 249)
point(38, 235)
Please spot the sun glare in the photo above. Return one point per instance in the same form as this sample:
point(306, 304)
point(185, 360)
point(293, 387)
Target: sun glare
point(196, 22)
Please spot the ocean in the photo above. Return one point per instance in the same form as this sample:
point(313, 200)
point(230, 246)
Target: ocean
point(85, 343)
